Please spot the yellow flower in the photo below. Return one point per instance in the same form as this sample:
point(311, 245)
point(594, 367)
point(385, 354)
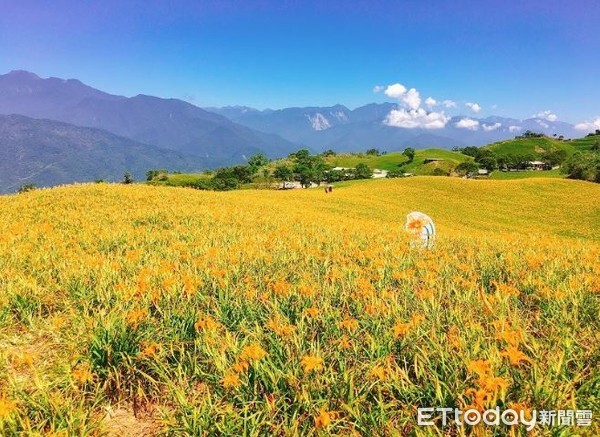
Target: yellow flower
point(481, 367)
point(253, 352)
point(378, 372)
point(135, 317)
point(401, 329)
point(323, 419)
point(281, 329)
point(206, 323)
point(230, 380)
point(492, 383)
point(345, 342)
point(311, 362)
point(514, 355)
point(82, 374)
point(416, 225)
point(349, 323)
point(241, 366)
point(7, 407)
point(151, 350)
point(312, 312)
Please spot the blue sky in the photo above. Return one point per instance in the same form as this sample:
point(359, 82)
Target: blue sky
point(512, 58)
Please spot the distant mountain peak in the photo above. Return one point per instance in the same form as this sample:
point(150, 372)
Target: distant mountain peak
point(22, 74)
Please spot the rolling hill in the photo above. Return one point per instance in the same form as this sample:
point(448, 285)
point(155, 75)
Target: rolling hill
point(393, 161)
point(46, 152)
point(538, 146)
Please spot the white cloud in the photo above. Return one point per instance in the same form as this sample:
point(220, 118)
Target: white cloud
point(468, 123)
point(412, 99)
point(473, 106)
point(547, 115)
point(430, 101)
point(514, 128)
point(491, 127)
point(449, 104)
point(410, 114)
point(414, 118)
point(589, 125)
point(378, 88)
point(395, 91)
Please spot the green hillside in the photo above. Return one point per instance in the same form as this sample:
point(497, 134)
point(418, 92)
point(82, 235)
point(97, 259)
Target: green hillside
point(585, 143)
point(394, 160)
point(535, 146)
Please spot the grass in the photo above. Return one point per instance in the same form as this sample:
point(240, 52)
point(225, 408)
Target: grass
point(392, 161)
point(296, 312)
point(584, 143)
point(535, 146)
point(181, 179)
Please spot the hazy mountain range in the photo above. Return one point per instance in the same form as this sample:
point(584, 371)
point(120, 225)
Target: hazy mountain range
point(343, 129)
point(47, 152)
point(168, 123)
point(67, 131)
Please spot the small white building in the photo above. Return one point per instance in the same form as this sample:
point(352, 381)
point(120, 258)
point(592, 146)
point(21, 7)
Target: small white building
point(378, 173)
point(290, 185)
point(537, 165)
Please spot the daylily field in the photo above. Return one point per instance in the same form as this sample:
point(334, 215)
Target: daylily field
point(140, 310)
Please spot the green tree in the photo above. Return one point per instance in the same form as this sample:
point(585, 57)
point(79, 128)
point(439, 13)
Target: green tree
point(488, 162)
point(154, 174)
point(362, 171)
point(333, 176)
point(374, 152)
point(467, 168)
point(584, 166)
point(308, 168)
point(256, 161)
point(554, 157)
point(300, 155)
point(127, 178)
point(283, 173)
point(469, 151)
point(409, 152)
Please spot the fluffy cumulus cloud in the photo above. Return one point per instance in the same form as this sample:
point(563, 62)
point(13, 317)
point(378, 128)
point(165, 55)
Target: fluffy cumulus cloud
point(546, 115)
point(590, 126)
point(473, 106)
point(413, 118)
point(491, 127)
point(395, 91)
point(468, 123)
point(378, 88)
point(430, 101)
point(410, 114)
point(410, 97)
point(449, 104)
point(514, 128)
